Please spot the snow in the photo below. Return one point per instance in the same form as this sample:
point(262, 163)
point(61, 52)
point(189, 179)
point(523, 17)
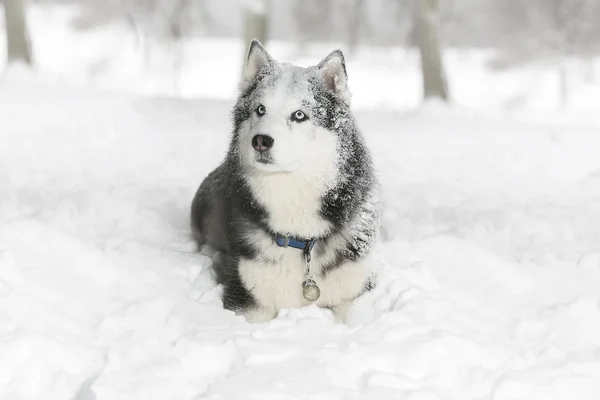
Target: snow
point(490, 250)
point(490, 247)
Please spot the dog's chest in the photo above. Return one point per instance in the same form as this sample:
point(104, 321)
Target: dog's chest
point(293, 204)
point(275, 277)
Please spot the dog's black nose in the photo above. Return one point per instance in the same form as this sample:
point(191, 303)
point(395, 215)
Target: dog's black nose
point(262, 142)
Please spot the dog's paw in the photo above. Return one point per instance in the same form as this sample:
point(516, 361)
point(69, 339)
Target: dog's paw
point(257, 315)
point(340, 312)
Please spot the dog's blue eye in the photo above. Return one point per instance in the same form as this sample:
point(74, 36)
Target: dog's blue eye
point(299, 116)
point(261, 110)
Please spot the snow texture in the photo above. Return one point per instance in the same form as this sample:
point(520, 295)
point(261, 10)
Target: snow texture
point(491, 225)
point(490, 245)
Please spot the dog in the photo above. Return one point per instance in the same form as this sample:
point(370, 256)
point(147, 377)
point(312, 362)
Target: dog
point(293, 209)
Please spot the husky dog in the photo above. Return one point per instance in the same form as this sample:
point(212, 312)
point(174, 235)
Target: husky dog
point(294, 205)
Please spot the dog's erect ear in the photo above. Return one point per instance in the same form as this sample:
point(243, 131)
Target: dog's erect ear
point(257, 61)
point(333, 72)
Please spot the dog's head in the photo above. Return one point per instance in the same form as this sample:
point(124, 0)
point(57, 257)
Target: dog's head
point(290, 118)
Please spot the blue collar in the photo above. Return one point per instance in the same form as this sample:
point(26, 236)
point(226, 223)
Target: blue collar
point(300, 244)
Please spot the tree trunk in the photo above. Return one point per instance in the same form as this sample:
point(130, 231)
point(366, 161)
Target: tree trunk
point(563, 87)
point(354, 26)
point(428, 32)
point(256, 24)
point(176, 32)
point(17, 39)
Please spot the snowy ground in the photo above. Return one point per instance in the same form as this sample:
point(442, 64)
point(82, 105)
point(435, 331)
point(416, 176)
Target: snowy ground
point(491, 236)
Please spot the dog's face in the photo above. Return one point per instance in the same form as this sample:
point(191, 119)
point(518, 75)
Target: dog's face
point(286, 115)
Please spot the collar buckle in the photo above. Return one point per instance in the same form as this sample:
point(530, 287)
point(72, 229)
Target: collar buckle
point(308, 246)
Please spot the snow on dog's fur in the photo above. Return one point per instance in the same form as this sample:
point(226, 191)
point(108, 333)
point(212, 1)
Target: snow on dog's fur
point(297, 165)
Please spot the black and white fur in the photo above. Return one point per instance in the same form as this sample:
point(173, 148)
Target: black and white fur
point(316, 181)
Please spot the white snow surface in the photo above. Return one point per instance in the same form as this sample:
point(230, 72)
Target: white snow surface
point(490, 248)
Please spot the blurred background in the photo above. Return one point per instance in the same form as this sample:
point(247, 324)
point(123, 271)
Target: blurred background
point(500, 55)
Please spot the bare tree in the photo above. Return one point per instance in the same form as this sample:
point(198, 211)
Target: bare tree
point(552, 31)
point(565, 28)
point(17, 37)
point(256, 22)
point(312, 19)
point(427, 15)
point(164, 22)
point(355, 13)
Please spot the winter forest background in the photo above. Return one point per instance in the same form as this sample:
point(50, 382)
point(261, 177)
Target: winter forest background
point(483, 118)
point(550, 43)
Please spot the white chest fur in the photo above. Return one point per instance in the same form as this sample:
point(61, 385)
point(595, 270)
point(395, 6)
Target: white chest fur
point(293, 203)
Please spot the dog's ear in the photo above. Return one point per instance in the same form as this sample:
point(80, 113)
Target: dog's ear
point(333, 73)
point(258, 61)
